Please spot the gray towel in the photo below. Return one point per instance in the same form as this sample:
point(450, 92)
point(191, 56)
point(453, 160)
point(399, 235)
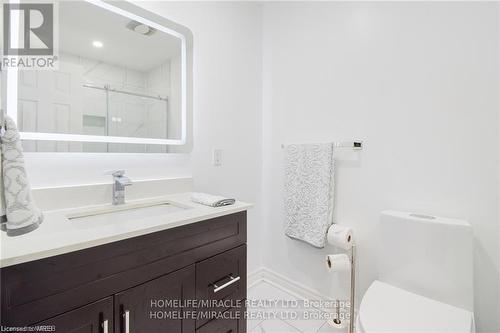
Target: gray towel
point(22, 214)
point(309, 192)
point(211, 200)
point(3, 213)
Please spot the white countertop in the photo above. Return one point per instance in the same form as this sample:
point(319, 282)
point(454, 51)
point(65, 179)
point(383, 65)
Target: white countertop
point(58, 235)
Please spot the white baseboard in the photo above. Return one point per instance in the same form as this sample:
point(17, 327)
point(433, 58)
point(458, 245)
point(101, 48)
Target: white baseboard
point(255, 277)
point(284, 283)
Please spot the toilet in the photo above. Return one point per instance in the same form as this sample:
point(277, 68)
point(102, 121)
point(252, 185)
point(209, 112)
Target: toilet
point(425, 280)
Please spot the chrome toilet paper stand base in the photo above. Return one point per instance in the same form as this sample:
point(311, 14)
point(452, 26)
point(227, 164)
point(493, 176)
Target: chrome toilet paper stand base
point(353, 288)
point(352, 295)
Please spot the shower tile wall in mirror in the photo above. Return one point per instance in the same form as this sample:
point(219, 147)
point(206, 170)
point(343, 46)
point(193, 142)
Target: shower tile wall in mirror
point(117, 77)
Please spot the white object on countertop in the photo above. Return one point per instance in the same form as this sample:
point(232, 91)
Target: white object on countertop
point(309, 191)
point(211, 200)
point(337, 263)
point(340, 236)
point(22, 214)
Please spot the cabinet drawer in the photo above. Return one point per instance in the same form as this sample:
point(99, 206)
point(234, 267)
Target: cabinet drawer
point(222, 278)
point(234, 323)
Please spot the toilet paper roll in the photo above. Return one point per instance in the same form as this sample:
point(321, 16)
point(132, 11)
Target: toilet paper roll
point(340, 236)
point(337, 263)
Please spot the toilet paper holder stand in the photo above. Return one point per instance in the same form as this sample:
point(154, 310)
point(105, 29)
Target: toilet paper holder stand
point(352, 295)
point(353, 288)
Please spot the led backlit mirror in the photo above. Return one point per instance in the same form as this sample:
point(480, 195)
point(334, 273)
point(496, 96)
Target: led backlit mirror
point(122, 84)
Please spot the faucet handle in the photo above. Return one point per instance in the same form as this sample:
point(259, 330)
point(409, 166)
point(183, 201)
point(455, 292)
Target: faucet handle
point(118, 173)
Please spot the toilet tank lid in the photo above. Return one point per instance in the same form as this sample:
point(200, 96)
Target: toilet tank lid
point(426, 218)
point(386, 308)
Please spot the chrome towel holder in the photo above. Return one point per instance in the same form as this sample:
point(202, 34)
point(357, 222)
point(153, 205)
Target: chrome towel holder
point(354, 145)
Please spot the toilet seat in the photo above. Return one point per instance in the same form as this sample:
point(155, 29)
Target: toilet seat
point(386, 308)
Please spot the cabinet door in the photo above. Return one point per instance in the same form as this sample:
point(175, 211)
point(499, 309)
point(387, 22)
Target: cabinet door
point(158, 306)
point(93, 318)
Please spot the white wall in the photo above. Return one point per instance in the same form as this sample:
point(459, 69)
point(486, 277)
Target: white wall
point(227, 114)
point(418, 82)
point(498, 156)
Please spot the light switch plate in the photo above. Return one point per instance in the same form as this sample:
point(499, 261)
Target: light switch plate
point(217, 157)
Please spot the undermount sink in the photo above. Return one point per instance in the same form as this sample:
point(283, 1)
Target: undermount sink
point(124, 213)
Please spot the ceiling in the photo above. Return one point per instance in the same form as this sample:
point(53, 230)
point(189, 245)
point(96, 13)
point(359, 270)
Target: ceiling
point(81, 23)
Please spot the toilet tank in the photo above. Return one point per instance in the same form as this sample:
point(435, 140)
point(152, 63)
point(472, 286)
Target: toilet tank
point(427, 255)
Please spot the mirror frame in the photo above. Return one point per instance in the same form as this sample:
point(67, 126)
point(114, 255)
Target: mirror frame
point(158, 22)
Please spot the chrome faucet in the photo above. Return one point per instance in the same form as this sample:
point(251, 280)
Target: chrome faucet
point(119, 183)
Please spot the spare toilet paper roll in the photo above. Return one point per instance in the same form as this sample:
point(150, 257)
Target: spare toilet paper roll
point(338, 263)
point(340, 236)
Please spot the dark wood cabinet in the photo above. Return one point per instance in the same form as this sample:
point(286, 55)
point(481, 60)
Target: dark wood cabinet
point(223, 326)
point(231, 321)
point(151, 283)
point(93, 318)
point(220, 326)
point(146, 308)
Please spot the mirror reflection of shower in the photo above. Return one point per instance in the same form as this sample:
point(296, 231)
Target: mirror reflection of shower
point(127, 113)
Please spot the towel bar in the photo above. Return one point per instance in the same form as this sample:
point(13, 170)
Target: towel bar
point(355, 145)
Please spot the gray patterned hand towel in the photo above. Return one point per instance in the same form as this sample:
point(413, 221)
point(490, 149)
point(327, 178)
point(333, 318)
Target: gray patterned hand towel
point(309, 192)
point(211, 200)
point(22, 214)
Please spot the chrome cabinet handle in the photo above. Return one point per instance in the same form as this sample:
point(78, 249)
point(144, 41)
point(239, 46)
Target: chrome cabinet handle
point(232, 280)
point(105, 326)
point(126, 315)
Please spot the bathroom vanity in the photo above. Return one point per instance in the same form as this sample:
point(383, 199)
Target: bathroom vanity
point(123, 278)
